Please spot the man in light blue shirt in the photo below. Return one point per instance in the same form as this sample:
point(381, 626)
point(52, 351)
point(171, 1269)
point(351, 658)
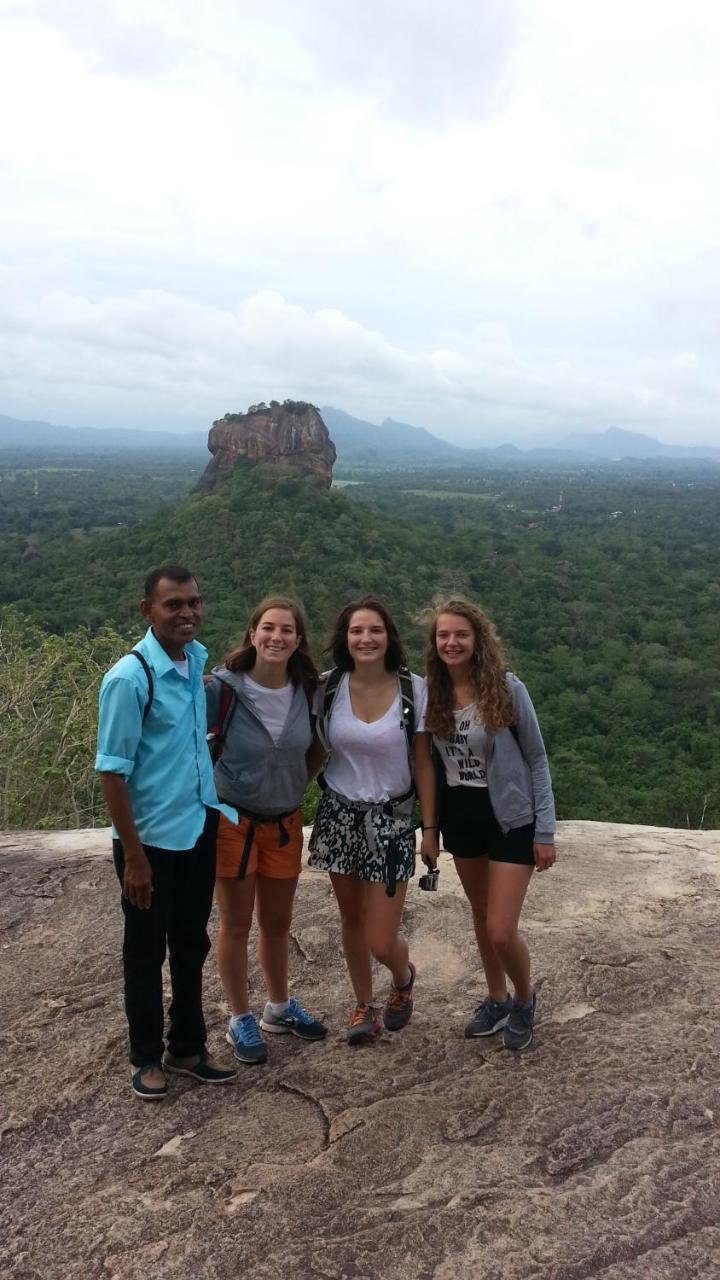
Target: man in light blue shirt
point(157, 780)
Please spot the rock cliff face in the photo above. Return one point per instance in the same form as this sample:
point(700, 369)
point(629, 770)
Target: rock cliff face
point(422, 1157)
point(290, 435)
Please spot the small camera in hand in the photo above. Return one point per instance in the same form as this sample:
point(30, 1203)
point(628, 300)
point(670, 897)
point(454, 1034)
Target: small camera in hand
point(429, 882)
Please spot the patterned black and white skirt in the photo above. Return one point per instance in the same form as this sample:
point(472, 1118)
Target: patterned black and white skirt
point(375, 842)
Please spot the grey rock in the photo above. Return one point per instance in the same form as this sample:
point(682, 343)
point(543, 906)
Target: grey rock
point(424, 1156)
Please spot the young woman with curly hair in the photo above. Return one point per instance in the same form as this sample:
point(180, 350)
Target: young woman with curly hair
point(483, 782)
point(258, 705)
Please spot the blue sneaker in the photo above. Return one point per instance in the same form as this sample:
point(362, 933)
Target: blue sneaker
point(295, 1021)
point(244, 1036)
point(518, 1033)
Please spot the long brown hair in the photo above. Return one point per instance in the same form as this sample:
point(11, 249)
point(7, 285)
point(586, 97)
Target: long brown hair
point(337, 645)
point(301, 668)
point(488, 670)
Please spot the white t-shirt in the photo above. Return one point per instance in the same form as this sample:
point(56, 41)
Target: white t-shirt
point(463, 753)
point(370, 761)
point(181, 666)
point(271, 705)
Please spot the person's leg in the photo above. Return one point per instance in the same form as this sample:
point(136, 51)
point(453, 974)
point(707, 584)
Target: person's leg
point(507, 886)
point(351, 895)
point(274, 900)
point(188, 941)
point(384, 939)
point(235, 900)
point(473, 874)
point(143, 956)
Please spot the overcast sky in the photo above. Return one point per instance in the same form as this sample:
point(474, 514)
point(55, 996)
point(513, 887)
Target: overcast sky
point(499, 219)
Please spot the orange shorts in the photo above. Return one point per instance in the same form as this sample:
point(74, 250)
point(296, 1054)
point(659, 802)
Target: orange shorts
point(260, 849)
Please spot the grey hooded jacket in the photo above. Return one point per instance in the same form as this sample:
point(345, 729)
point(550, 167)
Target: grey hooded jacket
point(517, 770)
point(254, 773)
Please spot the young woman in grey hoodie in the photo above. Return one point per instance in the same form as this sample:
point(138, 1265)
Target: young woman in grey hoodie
point(483, 781)
point(261, 735)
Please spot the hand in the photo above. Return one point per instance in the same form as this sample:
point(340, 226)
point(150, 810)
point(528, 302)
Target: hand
point(137, 881)
point(544, 855)
point(430, 848)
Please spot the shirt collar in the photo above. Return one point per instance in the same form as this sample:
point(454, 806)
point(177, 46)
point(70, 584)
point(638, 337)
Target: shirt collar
point(161, 660)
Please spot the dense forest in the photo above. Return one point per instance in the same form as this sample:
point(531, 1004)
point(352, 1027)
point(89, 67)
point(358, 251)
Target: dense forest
point(603, 584)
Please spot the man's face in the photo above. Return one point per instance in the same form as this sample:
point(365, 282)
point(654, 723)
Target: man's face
point(174, 613)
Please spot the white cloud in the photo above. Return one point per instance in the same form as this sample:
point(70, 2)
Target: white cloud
point(500, 214)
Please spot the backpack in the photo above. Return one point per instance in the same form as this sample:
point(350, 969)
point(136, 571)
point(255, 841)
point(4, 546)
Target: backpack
point(217, 735)
point(407, 705)
point(135, 653)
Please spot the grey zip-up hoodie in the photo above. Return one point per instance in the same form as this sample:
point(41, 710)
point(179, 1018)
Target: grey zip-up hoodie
point(253, 772)
point(518, 776)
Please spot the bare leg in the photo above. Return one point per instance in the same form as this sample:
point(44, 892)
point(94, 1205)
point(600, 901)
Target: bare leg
point(507, 886)
point(274, 916)
point(386, 943)
point(352, 900)
point(473, 874)
point(235, 899)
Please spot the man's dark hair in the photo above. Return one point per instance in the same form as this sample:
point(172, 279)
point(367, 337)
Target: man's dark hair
point(175, 572)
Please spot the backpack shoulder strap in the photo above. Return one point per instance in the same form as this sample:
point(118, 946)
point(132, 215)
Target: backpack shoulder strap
point(135, 653)
point(218, 734)
point(407, 705)
point(332, 684)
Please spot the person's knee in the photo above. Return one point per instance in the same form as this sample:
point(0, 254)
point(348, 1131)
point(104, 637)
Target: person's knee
point(501, 934)
point(274, 928)
point(235, 928)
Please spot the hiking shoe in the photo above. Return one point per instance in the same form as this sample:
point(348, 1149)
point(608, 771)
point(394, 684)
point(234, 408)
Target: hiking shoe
point(519, 1030)
point(149, 1082)
point(364, 1025)
point(489, 1017)
point(295, 1020)
point(399, 1004)
point(248, 1045)
point(200, 1067)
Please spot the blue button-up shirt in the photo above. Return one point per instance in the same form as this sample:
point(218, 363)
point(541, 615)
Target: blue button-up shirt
point(165, 761)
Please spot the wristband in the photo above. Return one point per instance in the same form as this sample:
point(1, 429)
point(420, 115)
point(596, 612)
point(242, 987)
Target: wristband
point(422, 828)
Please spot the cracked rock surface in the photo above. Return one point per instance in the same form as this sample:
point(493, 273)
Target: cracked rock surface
point(595, 1153)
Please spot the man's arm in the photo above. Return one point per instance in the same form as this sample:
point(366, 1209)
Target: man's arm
point(120, 725)
point(137, 877)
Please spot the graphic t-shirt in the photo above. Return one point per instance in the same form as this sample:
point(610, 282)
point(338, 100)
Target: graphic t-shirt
point(463, 753)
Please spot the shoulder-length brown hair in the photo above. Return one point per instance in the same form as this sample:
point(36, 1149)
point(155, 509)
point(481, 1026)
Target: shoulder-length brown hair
point(301, 668)
point(395, 655)
point(488, 670)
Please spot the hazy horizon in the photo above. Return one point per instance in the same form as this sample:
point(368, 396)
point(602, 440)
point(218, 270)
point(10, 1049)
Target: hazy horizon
point(497, 221)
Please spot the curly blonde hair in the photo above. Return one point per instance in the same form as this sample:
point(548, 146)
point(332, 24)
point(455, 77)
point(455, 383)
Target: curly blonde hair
point(488, 671)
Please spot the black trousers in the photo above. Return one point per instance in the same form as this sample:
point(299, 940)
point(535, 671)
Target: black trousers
point(176, 922)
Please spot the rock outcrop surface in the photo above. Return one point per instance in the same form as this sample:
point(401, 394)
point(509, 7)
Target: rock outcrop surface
point(422, 1157)
point(290, 435)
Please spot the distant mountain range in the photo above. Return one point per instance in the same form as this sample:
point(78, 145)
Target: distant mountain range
point(358, 442)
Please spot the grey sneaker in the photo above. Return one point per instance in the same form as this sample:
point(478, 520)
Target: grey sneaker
point(364, 1025)
point(399, 1004)
point(295, 1020)
point(518, 1033)
point(489, 1017)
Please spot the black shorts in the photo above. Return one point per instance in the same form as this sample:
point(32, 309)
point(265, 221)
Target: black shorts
point(470, 829)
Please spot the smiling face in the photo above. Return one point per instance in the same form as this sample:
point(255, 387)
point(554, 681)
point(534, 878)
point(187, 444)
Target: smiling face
point(367, 638)
point(275, 637)
point(454, 640)
point(174, 612)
